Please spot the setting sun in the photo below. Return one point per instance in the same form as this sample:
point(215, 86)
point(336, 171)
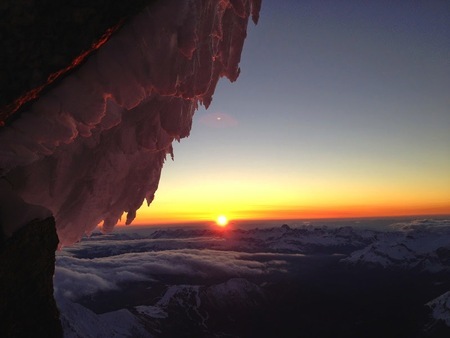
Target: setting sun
point(222, 221)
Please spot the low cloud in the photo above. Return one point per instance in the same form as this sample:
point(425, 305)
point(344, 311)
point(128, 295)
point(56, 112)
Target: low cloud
point(78, 277)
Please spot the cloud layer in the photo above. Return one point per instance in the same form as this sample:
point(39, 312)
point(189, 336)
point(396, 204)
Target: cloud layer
point(78, 277)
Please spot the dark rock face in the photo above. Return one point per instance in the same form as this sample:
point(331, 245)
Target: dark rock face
point(41, 41)
point(27, 265)
point(40, 38)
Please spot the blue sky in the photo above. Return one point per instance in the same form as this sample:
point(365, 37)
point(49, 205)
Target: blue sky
point(338, 103)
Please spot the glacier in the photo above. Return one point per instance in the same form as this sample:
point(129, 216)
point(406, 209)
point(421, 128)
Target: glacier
point(92, 147)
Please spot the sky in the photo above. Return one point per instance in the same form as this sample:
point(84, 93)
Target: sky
point(342, 109)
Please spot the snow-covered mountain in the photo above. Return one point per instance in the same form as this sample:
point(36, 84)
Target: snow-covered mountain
point(423, 245)
point(80, 322)
point(441, 308)
point(303, 239)
point(203, 280)
point(194, 303)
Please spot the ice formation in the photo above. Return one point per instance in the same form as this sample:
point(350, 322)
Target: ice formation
point(93, 147)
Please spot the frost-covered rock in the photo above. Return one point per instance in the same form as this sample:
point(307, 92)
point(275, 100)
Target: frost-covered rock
point(93, 147)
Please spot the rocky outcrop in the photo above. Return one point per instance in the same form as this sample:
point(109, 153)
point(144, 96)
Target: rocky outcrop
point(27, 265)
point(41, 42)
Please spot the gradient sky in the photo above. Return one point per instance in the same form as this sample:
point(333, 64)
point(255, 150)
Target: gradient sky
point(342, 109)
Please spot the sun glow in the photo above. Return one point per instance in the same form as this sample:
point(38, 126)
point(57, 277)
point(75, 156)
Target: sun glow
point(222, 221)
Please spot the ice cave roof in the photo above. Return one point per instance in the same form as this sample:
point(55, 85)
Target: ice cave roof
point(42, 38)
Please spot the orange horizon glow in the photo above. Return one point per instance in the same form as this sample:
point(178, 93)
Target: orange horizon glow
point(268, 214)
point(243, 194)
point(282, 193)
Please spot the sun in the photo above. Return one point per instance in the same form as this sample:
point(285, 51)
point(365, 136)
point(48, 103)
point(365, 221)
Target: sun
point(222, 221)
